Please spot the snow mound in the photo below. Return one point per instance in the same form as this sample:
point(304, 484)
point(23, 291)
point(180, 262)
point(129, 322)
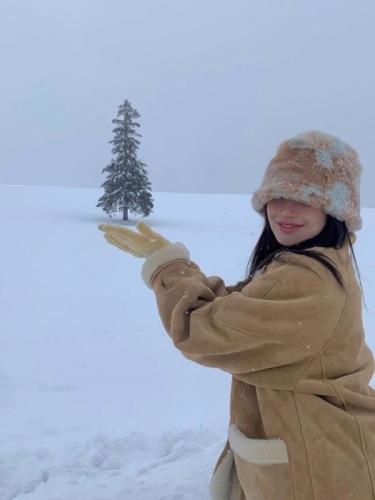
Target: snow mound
point(175, 466)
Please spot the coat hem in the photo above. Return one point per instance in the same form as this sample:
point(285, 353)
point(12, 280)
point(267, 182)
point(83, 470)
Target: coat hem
point(221, 482)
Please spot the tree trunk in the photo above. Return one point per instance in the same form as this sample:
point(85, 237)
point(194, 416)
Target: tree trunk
point(125, 213)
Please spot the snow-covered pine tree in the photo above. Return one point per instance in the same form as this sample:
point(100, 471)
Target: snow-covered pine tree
point(127, 187)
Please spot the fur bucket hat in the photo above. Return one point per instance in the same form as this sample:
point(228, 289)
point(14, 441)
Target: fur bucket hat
point(317, 169)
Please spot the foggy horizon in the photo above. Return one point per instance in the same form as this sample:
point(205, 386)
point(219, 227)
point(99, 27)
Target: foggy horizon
point(218, 87)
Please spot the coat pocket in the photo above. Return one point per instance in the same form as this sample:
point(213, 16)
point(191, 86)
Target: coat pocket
point(262, 466)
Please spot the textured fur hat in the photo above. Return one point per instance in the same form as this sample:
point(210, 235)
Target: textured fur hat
point(317, 169)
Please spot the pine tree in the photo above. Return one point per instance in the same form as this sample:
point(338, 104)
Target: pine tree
point(127, 187)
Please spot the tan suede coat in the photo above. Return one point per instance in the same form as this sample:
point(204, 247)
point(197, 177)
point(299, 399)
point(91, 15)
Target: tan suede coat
point(302, 412)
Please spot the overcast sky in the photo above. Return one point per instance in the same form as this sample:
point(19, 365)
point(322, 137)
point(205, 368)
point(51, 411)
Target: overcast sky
point(218, 85)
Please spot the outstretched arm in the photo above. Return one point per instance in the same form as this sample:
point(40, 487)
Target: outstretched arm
point(156, 250)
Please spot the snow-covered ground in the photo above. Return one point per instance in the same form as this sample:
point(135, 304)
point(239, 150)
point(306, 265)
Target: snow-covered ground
point(96, 404)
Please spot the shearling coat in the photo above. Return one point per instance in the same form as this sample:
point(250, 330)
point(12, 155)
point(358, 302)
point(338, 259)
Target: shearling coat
point(302, 416)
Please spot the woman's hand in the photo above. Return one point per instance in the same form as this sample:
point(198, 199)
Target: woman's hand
point(140, 244)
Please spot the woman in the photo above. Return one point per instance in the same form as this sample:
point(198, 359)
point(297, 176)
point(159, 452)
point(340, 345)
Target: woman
point(302, 423)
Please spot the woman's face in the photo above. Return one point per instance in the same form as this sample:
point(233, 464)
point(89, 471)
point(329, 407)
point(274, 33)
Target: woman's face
point(293, 222)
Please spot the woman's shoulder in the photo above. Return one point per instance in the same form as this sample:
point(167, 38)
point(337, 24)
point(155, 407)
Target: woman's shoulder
point(294, 272)
point(285, 276)
point(339, 257)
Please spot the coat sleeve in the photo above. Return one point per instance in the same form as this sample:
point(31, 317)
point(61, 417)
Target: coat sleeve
point(266, 335)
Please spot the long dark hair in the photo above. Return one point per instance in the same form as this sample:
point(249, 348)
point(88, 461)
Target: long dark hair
point(334, 235)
